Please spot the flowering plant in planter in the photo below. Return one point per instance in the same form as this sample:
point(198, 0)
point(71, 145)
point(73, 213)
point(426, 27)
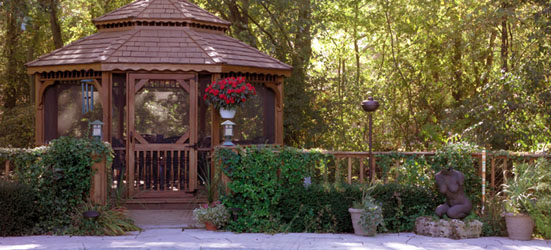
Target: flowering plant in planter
point(228, 93)
point(215, 214)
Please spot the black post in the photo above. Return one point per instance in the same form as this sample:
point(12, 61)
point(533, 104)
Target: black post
point(370, 151)
point(369, 106)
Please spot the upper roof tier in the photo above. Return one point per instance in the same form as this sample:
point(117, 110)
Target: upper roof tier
point(161, 10)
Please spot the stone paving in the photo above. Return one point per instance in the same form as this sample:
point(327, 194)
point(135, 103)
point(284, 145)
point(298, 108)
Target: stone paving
point(176, 238)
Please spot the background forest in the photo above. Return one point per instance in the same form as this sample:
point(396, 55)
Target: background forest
point(470, 70)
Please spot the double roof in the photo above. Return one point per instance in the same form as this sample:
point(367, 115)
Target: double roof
point(160, 35)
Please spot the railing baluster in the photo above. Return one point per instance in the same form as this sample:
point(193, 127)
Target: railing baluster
point(362, 170)
point(349, 170)
point(150, 166)
point(493, 178)
point(179, 164)
point(337, 170)
point(7, 170)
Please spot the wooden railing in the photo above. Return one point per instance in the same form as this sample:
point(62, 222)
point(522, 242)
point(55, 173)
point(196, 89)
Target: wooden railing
point(354, 166)
point(161, 169)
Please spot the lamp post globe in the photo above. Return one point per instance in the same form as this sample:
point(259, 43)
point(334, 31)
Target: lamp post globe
point(370, 106)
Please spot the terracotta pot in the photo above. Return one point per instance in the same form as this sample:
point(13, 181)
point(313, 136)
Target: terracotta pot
point(227, 113)
point(519, 226)
point(209, 226)
point(355, 215)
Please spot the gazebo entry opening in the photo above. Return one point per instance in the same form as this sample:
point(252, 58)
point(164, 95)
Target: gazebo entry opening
point(162, 134)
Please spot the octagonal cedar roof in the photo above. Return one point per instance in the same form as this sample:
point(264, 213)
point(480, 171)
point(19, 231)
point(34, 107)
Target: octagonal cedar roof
point(161, 10)
point(165, 42)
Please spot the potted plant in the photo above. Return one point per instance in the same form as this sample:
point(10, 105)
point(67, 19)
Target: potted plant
point(227, 94)
point(366, 215)
point(519, 195)
point(214, 216)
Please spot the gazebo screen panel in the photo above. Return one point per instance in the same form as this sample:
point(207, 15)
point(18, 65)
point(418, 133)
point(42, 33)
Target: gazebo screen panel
point(119, 110)
point(255, 121)
point(63, 116)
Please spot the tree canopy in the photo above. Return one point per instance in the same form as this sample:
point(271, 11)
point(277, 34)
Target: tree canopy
point(470, 70)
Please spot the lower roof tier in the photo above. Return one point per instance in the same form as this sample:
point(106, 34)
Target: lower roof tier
point(157, 48)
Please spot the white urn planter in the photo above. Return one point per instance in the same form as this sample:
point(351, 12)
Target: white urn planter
point(227, 113)
point(519, 226)
point(355, 215)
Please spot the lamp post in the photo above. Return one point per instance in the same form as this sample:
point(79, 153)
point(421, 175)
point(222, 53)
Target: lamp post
point(96, 129)
point(228, 133)
point(370, 106)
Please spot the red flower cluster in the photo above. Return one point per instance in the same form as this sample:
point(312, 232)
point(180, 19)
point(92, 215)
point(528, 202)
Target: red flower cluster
point(229, 92)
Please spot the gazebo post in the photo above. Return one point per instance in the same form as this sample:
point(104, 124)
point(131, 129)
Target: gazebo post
point(279, 111)
point(39, 112)
point(106, 102)
point(215, 132)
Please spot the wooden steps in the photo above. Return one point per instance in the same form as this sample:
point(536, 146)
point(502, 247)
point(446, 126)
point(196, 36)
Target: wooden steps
point(166, 201)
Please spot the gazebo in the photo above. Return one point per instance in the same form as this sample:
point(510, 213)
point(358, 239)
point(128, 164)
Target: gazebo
point(143, 75)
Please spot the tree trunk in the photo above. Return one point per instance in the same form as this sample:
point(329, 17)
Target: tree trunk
point(239, 17)
point(504, 40)
point(54, 24)
point(10, 75)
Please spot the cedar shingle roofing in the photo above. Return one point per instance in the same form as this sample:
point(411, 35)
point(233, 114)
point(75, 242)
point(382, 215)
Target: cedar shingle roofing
point(162, 10)
point(159, 45)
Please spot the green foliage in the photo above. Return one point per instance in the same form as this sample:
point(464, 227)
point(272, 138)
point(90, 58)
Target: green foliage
point(520, 190)
point(541, 214)
point(111, 222)
point(492, 219)
point(318, 208)
point(259, 177)
point(18, 214)
point(59, 175)
point(541, 209)
point(402, 204)
point(217, 215)
point(16, 127)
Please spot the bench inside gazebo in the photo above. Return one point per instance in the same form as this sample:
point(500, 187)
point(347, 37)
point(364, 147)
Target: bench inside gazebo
point(143, 75)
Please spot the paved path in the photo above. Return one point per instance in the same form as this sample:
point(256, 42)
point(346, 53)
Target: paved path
point(201, 239)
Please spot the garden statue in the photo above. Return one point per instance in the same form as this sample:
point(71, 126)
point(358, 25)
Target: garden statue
point(450, 182)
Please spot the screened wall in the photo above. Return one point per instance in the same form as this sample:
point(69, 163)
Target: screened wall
point(69, 106)
point(255, 121)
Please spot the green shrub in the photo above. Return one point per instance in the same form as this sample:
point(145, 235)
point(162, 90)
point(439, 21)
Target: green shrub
point(17, 216)
point(60, 176)
point(402, 204)
point(541, 209)
point(319, 208)
point(259, 177)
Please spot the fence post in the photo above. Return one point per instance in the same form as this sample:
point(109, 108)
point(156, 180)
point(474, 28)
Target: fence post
point(98, 190)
